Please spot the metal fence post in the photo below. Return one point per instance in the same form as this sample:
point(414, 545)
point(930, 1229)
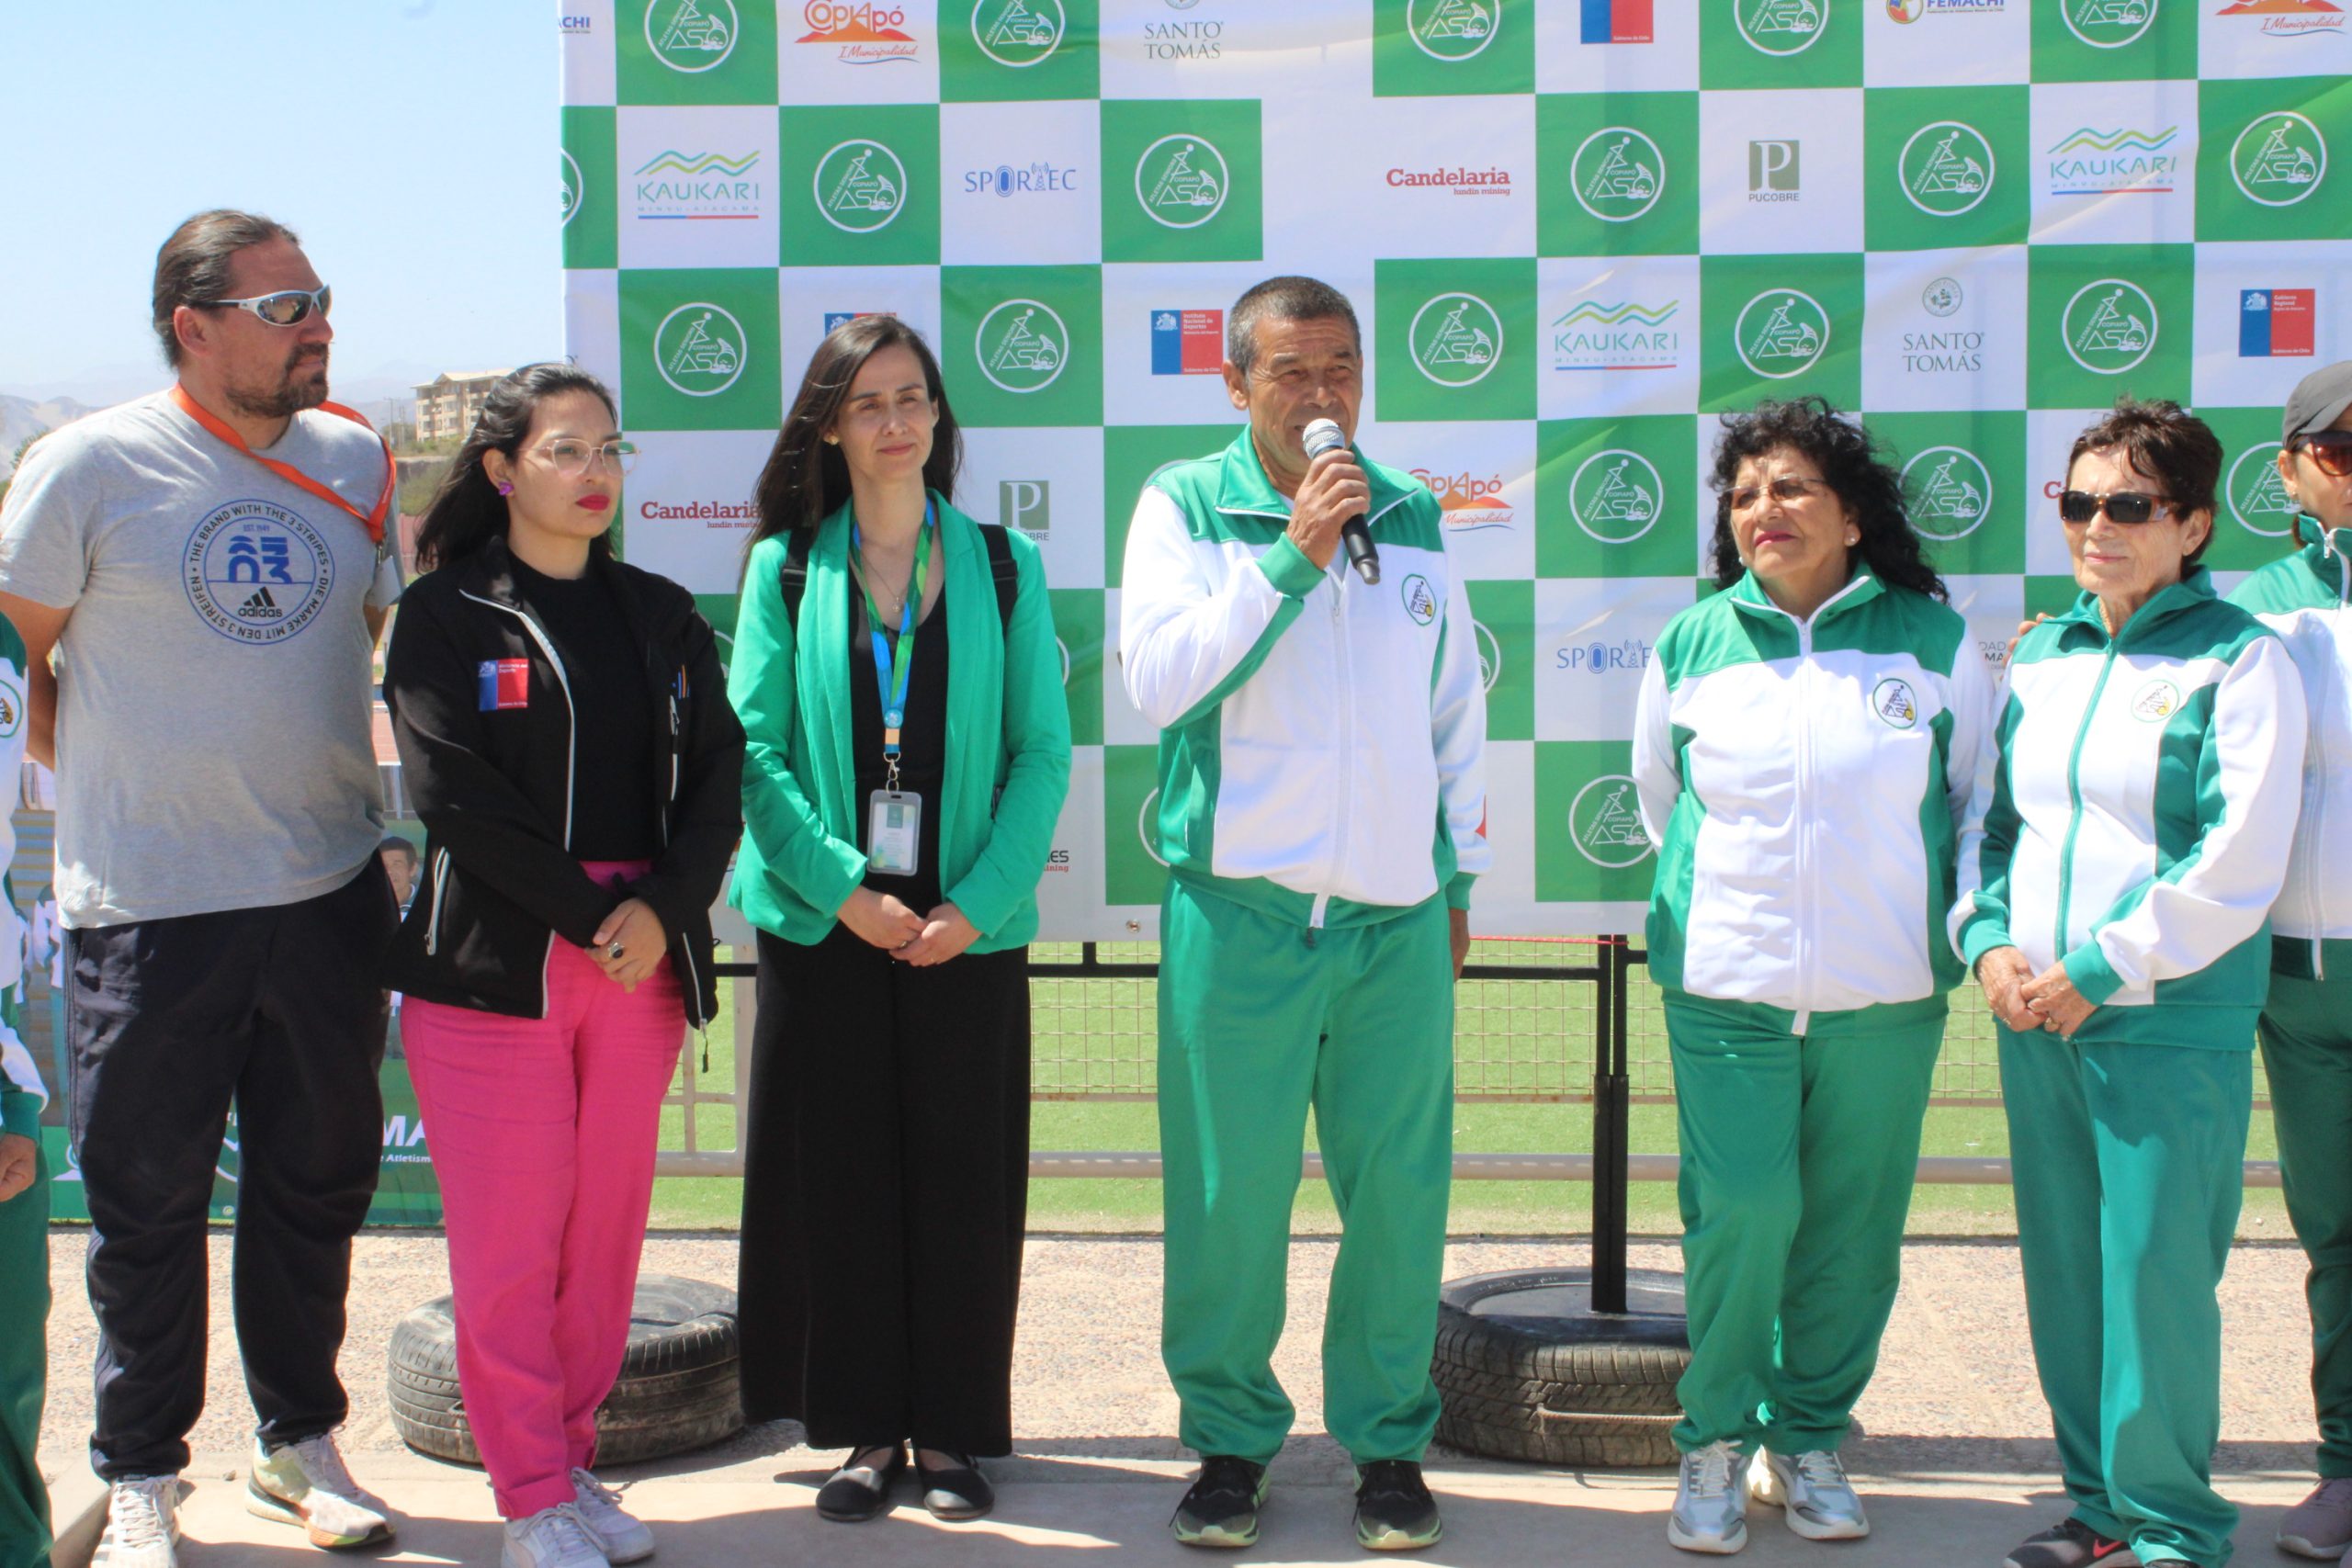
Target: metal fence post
point(1611, 1099)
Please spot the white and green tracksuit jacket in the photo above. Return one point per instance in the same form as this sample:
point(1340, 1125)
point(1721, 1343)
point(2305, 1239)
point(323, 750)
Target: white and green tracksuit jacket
point(1806, 783)
point(1322, 743)
point(2304, 599)
point(2137, 818)
point(21, 1092)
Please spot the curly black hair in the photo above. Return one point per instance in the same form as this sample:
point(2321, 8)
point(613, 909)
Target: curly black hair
point(1851, 460)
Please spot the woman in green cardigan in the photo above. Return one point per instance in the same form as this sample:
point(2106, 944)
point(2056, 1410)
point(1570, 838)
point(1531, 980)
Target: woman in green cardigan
point(900, 690)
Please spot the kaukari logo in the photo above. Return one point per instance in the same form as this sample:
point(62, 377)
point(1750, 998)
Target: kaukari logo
point(1187, 343)
point(1946, 168)
point(1451, 30)
point(864, 34)
point(1616, 496)
point(1782, 333)
point(860, 186)
point(2289, 19)
point(1617, 174)
point(692, 36)
point(1459, 180)
point(1020, 346)
point(1467, 503)
point(1605, 821)
point(2275, 323)
point(1950, 491)
point(2279, 159)
point(2107, 23)
point(2109, 326)
point(698, 348)
point(1596, 336)
point(1781, 26)
point(2115, 163)
point(1181, 181)
point(2257, 496)
point(1455, 339)
point(673, 186)
point(573, 185)
point(1018, 33)
point(1895, 704)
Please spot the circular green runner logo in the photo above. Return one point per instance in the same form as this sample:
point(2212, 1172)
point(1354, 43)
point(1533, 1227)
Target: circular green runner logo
point(1490, 656)
point(1451, 30)
point(1949, 492)
point(1021, 345)
point(12, 704)
point(1019, 33)
point(1605, 820)
point(2278, 160)
point(1782, 333)
point(2156, 701)
point(1781, 26)
point(2257, 496)
point(1420, 602)
point(1617, 174)
point(860, 186)
point(692, 36)
point(1616, 496)
point(2107, 23)
point(1895, 704)
point(2109, 326)
point(1946, 168)
point(573, 185)
point(1147, 819)
point(1455, 339)
point(698, 348)
point(1181, 181)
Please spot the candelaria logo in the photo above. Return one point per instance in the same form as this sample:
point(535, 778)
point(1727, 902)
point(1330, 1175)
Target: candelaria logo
point(1460, 181)
point(1950, 490)
point(2088, 162)
point(1782, 333)
point(714, 513)
point(678, 187)
point(2156, 701)
point(860, 187)
point(1452, 29)
point(1946, 168)
point(699, 349)
point(1490, 657)
point(2257, 496)
point(864, 34)
point(2109, 326)
point(1181, 181)
point(1455, 339)
point(573, 187)
point(1199, 38)
point(1605, 821)
point(2276, 323)
point(1909, 11)
point(2107, 23)
point(2289, 19)
point(257, 573)
point(1467, 504)
point(1028, 505)
point(1420, 602)
point(1781, 26)
point(1895, 703)
point(1942, 297)
point(1596, 336)
point(1020, 345)
point(1617, 174)
point(1019, 33)
point(2279, 159)
point(1603, 658)
point(1187, 343)
point(1772, 171)
point(1616, 496)
point(1004, 180)
point(692, 36)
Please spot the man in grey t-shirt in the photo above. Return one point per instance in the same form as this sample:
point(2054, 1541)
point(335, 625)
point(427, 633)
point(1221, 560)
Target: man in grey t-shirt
point(211, 568)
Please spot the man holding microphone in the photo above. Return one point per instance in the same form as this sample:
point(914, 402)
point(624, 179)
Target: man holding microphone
point(1321, 806)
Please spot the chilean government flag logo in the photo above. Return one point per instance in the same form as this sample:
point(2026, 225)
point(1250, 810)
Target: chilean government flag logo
point(1616, 21)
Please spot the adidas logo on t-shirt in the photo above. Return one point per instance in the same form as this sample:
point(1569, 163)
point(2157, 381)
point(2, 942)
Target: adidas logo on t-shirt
point(260, 608)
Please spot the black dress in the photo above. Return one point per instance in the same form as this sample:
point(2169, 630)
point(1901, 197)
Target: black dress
point(887, 1147)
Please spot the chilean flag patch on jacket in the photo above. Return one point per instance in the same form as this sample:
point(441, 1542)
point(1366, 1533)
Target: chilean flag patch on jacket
point(504, 684)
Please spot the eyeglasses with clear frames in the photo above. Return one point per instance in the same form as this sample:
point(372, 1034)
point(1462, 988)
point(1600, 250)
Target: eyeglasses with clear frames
point(573, 458)
point(1788, 489)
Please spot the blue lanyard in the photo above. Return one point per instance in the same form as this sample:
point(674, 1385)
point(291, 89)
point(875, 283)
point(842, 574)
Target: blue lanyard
point(891, 674)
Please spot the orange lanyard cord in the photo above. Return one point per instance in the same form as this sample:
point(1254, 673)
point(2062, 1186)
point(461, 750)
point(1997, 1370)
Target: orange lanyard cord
point(221, 430)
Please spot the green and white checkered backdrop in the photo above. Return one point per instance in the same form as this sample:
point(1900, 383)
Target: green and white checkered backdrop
point(1575, 230)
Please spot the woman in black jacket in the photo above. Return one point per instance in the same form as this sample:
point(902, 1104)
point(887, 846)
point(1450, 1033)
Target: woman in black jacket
point(564, 727)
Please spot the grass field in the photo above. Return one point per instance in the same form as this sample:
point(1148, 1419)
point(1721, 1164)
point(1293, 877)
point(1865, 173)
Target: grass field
point(1529, 1039)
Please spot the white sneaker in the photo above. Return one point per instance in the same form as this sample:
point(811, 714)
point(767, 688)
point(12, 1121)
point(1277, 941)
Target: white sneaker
point(1812, 1489)
point(305, 1483)
point(552, 1538)
point(621, 1534)
point(1710, 1508)
point(142, 1524)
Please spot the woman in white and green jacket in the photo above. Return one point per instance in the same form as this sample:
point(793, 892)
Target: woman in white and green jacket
point(1805, 747)
point(2115, 907)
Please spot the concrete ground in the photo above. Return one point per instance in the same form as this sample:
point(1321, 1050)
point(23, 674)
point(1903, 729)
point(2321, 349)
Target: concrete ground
point(1955, 1458)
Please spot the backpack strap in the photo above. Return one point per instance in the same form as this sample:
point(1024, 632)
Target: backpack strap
point(1003, 568)
point(792, 576)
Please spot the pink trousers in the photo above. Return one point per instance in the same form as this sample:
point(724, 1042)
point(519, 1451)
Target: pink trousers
point(542, 1133)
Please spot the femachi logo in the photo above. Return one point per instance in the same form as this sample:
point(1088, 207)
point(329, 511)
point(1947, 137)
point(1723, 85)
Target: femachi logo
point(1946, 168)
point(692, 36)
point(1617, 174)
point(2109, 326)
point(2107, 23)
point(1146, 821)
point(2156, 701)
point(1455, 339)
point(699, 348)
point(1950, 489)
point(1490, 656)
point(573, 189)
point(2257, 496)
point(1781, 26)
point(1788, 339)
point(256, 572)
point(2279, 159)
point(1605, 821)
point(12, 706)
point(1018, 33)
point(1616, 496)
point(1895, 704)
point(1181, 181)
point(1021, 345)
point(860, 186)
point(1451, 31)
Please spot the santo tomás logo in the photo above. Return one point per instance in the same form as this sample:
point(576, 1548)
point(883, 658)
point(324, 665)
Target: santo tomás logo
point(2257, 496)
point(1781, 26)
point(1616, 496)
point(256, 572)
point(1605, 821)
point(1946, 168)
point(2107, 23)
point(1617, 174)
point(1467, 504)
point(572, 188)
point(2156, 701)
point(2279, 159)
point(1181, 181)
point(1451, 30)
point(1782, 333)
point(692, 36)
point(1950, 489)
point(1018, 33)
point(2109, 326)
point(1895, 703)
point(1455, 339)
point(861, 186)
point(1419, 599)
point(1021, 345)
point(864, 33)
point(698, 348)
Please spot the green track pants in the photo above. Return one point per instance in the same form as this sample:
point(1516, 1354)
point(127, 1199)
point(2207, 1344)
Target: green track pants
point(1258, 1021)
point(1798, 1152)
point(2128, 1166)
point(24, 1367)
point(2307, 1050)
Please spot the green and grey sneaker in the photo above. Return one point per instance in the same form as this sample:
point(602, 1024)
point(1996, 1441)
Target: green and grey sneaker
point(305, 1483)
point(1393, 1509)
point(1221, 1509)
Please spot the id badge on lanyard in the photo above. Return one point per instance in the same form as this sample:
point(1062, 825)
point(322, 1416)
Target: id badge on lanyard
point(894, 816)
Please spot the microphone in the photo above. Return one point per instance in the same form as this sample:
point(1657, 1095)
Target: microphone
point(1321, 436)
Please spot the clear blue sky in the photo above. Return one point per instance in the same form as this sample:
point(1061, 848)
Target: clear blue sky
point(411, 142)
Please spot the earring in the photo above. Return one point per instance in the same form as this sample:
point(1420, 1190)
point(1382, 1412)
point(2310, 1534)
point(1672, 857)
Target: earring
point(504, 487)
point(1853, 538)
point(832, 440)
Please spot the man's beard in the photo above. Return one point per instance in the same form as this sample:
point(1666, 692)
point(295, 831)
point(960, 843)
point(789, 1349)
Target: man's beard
point(289, 396)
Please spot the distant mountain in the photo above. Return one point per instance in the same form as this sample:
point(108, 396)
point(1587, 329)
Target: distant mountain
point(21, 418)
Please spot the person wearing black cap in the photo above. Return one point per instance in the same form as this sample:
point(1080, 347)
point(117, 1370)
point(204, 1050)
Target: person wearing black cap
point(2306, 1027)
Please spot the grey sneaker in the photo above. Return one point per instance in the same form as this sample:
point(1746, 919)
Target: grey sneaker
point(1812, 1489)
point(552, 1538)
point(621, 1534)
point(2321, 1525)
point(1710, 1506)
point(2070, 1544)
point(142, 1524)
point(305, 1483)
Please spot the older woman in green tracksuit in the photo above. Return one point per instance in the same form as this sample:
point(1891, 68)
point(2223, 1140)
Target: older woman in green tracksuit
point(2115, 908)
point(1805, 745)
point(900, 689)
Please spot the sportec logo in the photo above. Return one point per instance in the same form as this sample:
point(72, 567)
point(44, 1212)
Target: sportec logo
point(2275, 323)
point(1946, 168)
point(672, 187)
point(1605, 822)
point(1773, 171)
point(1617, 174)
point(2156, 701)
point(860, 186)
point(1782, 333)
point(1602, 657)
point(692, 36)
point(573, 187)
point(1451, 31)
point(1625, 336)
point(1420, 600)
point(1950, 490)
point(2257, 495)
point(2109, 326)
point(1460, 181)
point(1018, 33)
point(1468, 503)
point(1007, 181)
point(1187, 343)
point(2107, 23)
point(1781, 26)
point(2289, 19)
point(1026, 505)
point(2089, 162)
point(698, 348)
point(1455, 339)
point(864, 34)
point(256, 572)
point(1021, 345)
point(1181, 181)
point(2279, 159)
point(1616, 496)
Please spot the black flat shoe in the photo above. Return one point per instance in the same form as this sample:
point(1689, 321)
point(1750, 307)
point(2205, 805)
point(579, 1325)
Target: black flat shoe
point(856, 1493)
point(958, 1492)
